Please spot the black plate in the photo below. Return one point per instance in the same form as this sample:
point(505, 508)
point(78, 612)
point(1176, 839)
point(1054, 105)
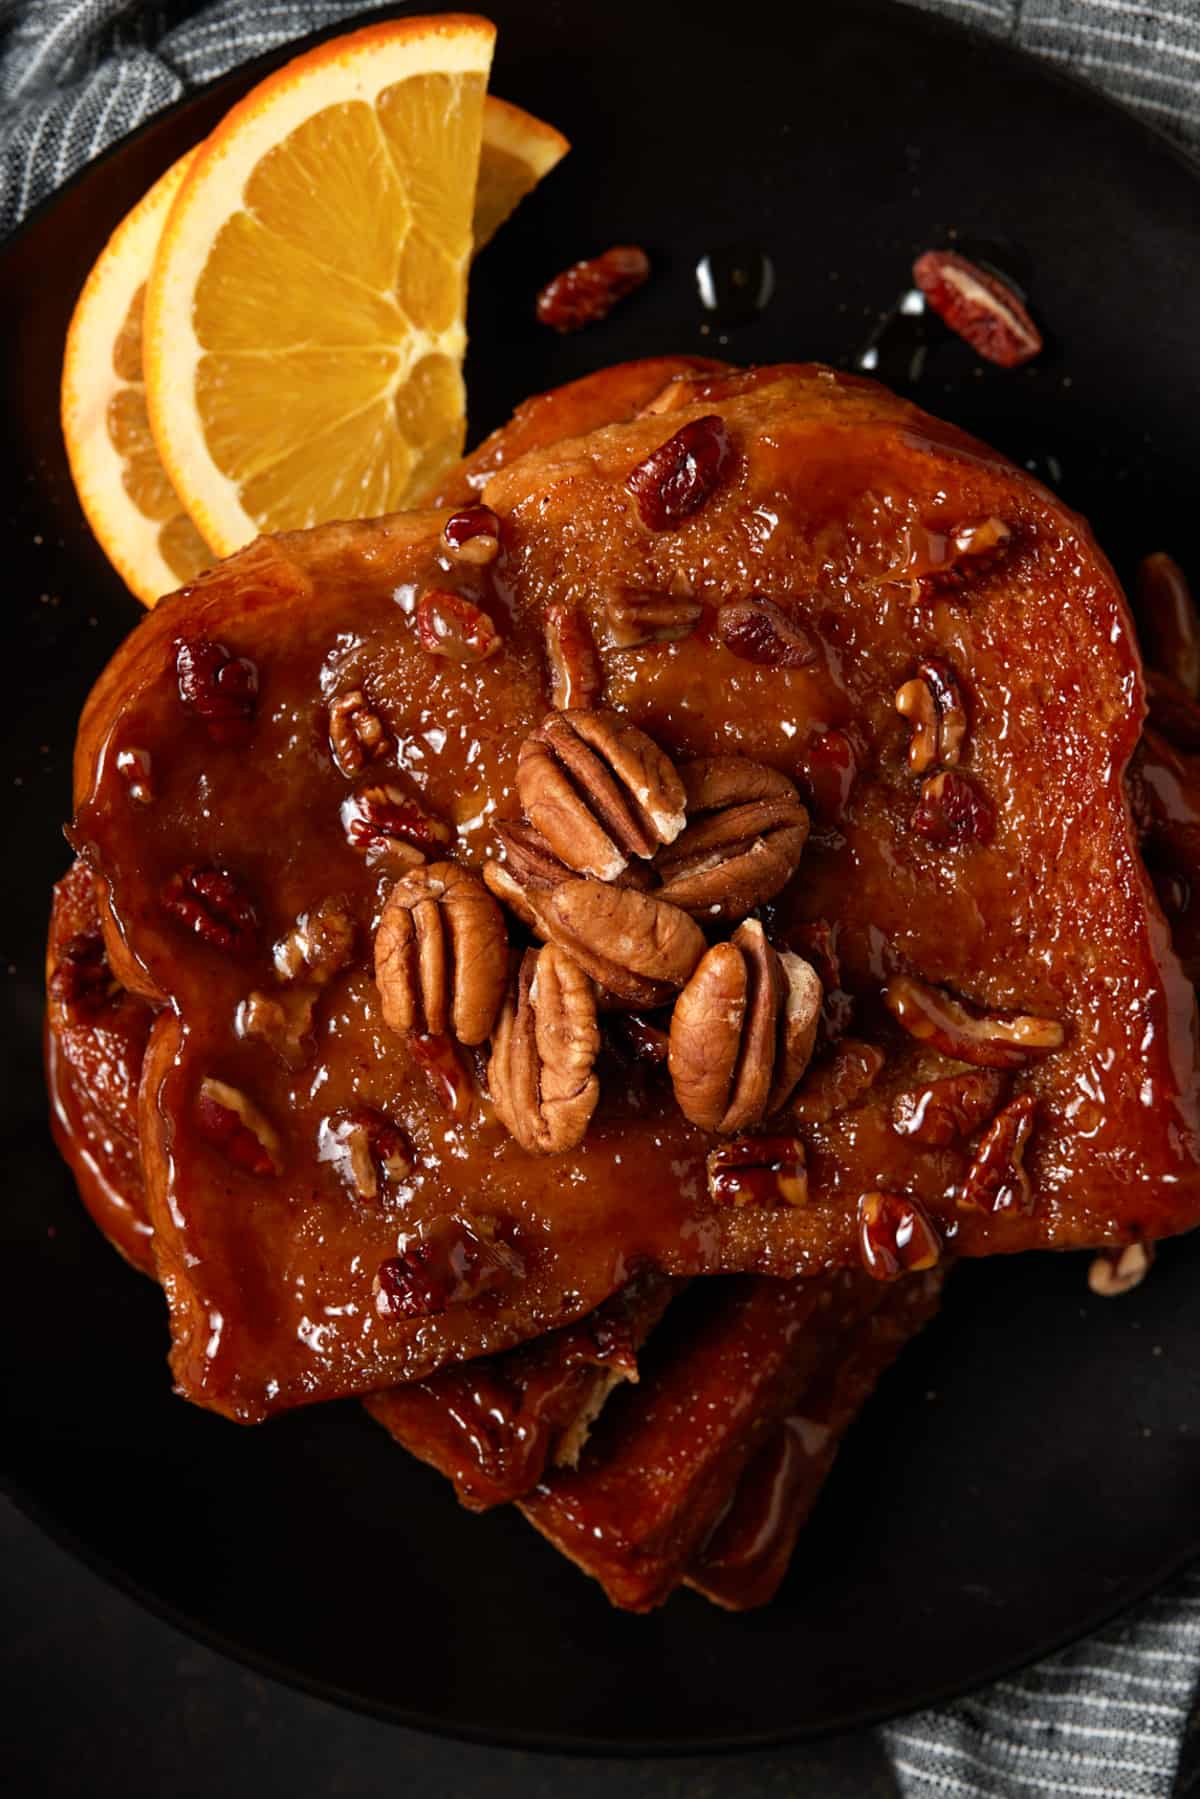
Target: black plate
point(1033, 1465)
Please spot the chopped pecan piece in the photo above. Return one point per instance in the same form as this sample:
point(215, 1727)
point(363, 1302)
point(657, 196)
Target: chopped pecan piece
point(997, 1180)
point(599, 791)
point(953, 1106)
point(838, 1083)
point(895, 1236)
point(588, 290)
point(635, 619)
point(742, 1032)
point(758, 1171)
point(385, 823)
point(757, 630)
point(978, 306)
point(576, 677)
point(282, 1020)
point(473, 535)
point(320, 943)
point(828, 769)
point(214, 904)
point(542, 1071)
point(445, 1262)
point(676, 479)
point(636, 947)
point(1170, 629)
point(366, 1149)
point(442, 1065)
point(952, 810)
point(745, 834)
point(1117, 1271)
point(356, 734)
point(441, 954)
point(451, 626)
point(82, 982)
point(985, 1039)
point(933, 702)
point(234, 1125)
point(949, 560)
point(216, 685)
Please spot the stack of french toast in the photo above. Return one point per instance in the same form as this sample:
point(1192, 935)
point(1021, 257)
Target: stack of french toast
point(577, 964)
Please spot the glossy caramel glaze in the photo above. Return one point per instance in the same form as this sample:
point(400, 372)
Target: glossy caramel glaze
point(841, 500)
point(494, 1425)
point(747, 1555)
point(729, 1361)
point(95, 1039)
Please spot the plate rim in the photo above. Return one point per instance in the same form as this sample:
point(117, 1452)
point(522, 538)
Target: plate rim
point(545, 1741)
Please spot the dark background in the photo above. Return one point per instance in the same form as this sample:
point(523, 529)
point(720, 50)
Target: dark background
point(101, 1698)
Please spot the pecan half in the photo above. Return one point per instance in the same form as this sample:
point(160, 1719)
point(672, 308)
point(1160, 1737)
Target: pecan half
point(234, 1125)
point(284, 1021)
point(933, 702)
point(943, 1110)
point(837, 1084)
point(636, 947)
point(985, 1039)
point(757, 630)
point(449, 625)
point(447, 1261)
point(576, 677)
point(366, 1149)
point(356, 734)
point(952, 810)
point(745, 834)
point(530, 866)
point(635, 619)
point(895, 1236)
point(214, 904)
point(676, 479)
point(599, 790)
point(542, 1071)
point(758, 1171)
point(997, 1180)
point(742, 1032)
point(1117, 1271)
point(441, 954)
point(385, 823)
point(319, 944)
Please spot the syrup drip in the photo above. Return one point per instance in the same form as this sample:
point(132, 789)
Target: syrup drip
point(735, 284)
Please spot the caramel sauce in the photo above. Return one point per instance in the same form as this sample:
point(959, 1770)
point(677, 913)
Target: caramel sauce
point(270, 1277)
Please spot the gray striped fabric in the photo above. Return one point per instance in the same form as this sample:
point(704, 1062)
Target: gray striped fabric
point(1107, 1719)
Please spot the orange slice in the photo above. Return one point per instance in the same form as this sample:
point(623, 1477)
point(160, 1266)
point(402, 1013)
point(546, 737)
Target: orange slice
point(518, 152)
point(122, 486)
point(304, 329)
point(124, 489)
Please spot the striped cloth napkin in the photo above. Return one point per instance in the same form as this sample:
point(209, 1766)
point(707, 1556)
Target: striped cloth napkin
point(1111, 1718)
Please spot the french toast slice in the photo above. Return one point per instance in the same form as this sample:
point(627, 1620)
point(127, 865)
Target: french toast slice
point(983, 898)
